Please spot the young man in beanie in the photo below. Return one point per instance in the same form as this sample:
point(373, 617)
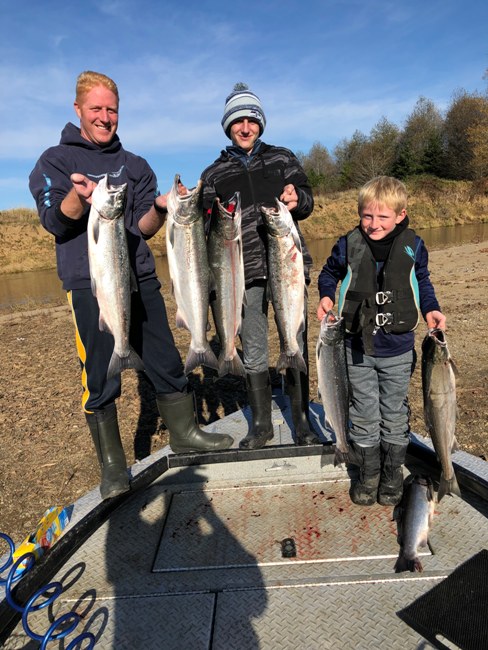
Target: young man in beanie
point(261, 173)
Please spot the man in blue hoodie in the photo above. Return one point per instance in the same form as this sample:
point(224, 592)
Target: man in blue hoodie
point(62, 183)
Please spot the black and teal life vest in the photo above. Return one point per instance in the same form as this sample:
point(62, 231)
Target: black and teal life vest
point(372, 296)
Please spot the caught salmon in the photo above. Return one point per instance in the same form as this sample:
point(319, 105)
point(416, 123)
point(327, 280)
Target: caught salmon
point(286, 283)
point(333, 382)
point(112, 279)
point(414, 519)
point(186, 249)
point(227, 269)
point(440, 408)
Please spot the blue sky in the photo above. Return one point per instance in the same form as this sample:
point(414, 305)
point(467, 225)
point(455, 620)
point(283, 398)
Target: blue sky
point(322, 69)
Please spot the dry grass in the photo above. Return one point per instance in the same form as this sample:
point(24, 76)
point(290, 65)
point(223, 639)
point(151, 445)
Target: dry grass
point(18, 215)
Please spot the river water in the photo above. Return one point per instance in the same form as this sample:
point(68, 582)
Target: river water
point(38, 287)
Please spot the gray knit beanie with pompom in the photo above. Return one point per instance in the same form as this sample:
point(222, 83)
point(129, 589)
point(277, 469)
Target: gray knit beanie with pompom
point(242, 103)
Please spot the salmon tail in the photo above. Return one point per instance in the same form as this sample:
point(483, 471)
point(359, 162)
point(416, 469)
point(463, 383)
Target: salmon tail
point(294, 361)
point(203, 358)
point(448, 486)
point(232, 366)
point(341, 457)
point(118, 364)
point(405, 564)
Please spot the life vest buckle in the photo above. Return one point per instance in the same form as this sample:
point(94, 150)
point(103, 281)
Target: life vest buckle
point(382, 297)
point(384, 319)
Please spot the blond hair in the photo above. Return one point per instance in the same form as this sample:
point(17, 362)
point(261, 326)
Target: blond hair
point(89, 79)
point(385, 190)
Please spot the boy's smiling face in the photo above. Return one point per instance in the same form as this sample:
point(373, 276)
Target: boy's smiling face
point(378, 220)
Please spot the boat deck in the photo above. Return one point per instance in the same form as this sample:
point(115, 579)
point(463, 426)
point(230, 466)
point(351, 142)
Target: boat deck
point(197, 556)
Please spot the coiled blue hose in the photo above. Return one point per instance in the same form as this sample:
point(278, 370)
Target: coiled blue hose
point(70, 620)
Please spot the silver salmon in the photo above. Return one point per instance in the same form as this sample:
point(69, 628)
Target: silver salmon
point(440, 408)
point(186, 249)
point(286, 283)
point(333, 382)
point(227, 269)
point(112, 279)
point(414, 518)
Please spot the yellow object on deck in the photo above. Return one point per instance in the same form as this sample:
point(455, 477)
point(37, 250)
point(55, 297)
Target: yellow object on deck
point(48, 530)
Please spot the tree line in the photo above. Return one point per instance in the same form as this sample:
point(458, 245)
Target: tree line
point(453, 145)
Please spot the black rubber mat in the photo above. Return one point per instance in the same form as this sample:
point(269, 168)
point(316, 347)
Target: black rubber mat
point(456, 608)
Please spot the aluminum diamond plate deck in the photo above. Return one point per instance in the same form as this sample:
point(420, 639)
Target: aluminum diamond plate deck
point(193, 560)
point(318, 618)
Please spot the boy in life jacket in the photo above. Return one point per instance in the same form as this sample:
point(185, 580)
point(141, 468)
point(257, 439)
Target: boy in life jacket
point(382, 266)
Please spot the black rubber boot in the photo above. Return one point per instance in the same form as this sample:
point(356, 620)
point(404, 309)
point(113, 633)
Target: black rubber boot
point(365, 490)
point(185, 436)
point(297, 388)
point(104, 429)
point(259, 395)
point(390, 490)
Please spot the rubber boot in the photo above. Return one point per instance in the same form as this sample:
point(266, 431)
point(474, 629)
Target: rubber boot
point(259, 395)
point(185, 436)
point(297, 388)
point(390, 490)
point(365, 490)
point(104, 429)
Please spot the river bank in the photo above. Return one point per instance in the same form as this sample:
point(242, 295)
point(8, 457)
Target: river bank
point(26, 246)
point(46, 454)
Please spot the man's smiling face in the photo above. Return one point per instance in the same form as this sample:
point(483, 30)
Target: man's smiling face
point(98, 110)
point(244, 133)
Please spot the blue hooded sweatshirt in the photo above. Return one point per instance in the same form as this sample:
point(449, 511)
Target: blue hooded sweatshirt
point(49, 183)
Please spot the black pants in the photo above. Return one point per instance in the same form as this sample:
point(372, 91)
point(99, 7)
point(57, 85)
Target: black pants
point(150, 336)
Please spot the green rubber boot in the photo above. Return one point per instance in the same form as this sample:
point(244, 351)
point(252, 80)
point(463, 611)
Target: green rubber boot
point(297, 389)
point(259, 394)
point(185, 436)
point(105, 433)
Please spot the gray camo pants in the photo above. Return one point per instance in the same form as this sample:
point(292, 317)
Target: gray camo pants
point(378, 407)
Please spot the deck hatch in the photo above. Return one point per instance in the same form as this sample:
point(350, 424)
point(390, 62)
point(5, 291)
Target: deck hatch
point(245, 526)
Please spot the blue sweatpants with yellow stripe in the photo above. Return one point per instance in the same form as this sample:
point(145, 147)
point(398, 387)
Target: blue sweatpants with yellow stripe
point(150, 336)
